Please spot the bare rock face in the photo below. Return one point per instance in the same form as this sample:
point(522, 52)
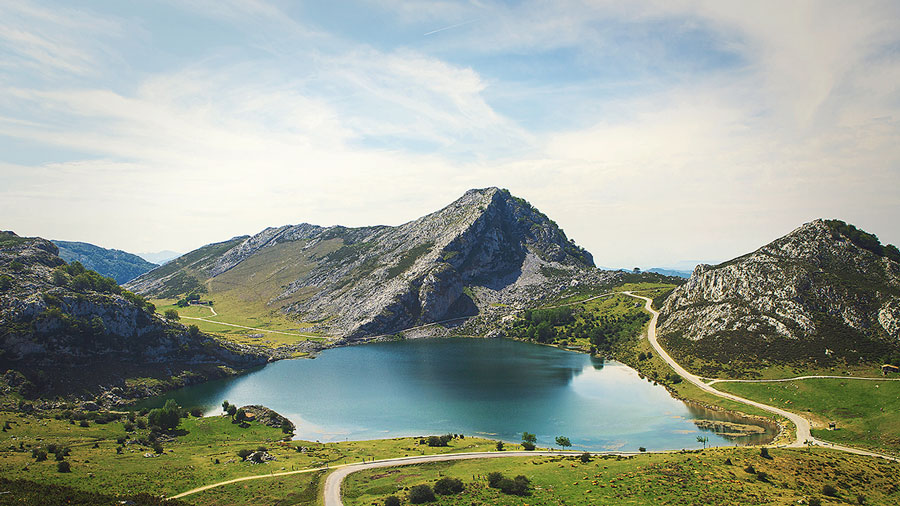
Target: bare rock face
point(824, 286)
point(357, 282)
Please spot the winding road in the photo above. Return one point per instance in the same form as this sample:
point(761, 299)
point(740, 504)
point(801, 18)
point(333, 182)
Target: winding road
point(803, 436)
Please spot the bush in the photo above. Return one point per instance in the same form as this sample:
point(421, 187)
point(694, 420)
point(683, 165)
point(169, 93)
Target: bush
point(84, 423)
point(815, 501)
point(420, 494)
point(243, 454)
point(391, 500)
point(166, 417)
point(764, 453)
point(528, 445)
point(39, 455)
point(63, 467)
point(197, 412)
point(157, 447)
point(499, 446)
point(129, 427)
point(829, 490)
point(494, 478)
point(171, 314)
point(585, 457)
point(519, 485)
point(448, 486)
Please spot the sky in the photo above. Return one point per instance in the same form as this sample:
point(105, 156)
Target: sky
point(656, 134)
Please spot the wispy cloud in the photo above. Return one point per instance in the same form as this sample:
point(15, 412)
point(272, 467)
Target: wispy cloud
point(709, 127)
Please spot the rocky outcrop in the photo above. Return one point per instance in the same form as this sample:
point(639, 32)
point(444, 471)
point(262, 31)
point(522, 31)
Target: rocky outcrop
point(55, 316)
point(488, 247)
point(824, 290)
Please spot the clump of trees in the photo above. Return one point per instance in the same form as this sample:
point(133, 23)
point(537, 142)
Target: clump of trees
point(421, 494)
point(865, 240)
point(448, 486)
point(520, 485)
point(167, 417)
point(564, 323)
point(528, 441)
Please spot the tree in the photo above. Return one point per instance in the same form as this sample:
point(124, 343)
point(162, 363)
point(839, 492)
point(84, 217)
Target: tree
point(225, 405)
point(391, 500)
point(240, 415)
point(563, 441)
point(494, 478)
point(167, 417)
point(703, 439)
point(499, 446)
point(63, 466)
point(193, 330)
point(528, 437)
point(232, 410)
point(585, 457)
point(520, 485)
point(172, 314)
point(421, 493)
point(448, 486)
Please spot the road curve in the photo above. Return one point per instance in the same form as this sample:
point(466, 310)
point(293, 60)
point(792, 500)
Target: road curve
point(803, 435)
point(334, 480)
point(782, 380)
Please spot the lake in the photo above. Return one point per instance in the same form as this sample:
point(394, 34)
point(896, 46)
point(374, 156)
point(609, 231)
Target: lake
point(494, 388)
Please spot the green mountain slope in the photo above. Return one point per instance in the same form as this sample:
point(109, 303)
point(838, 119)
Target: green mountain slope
point(116, 264)
point(486, 248)
point(67, 327)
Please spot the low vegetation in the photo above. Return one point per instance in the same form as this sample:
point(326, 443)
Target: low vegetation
point(715, 476)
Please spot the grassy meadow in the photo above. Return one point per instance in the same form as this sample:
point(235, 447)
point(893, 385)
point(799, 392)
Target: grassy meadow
point(722, 476)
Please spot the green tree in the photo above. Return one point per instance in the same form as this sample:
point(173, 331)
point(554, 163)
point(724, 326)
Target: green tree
point(391, 500)
point(171, 314)
point(63, 466)
point(193, 330)
point(499, 446)
point(529, 437)
point(563, 441)
point(225, 405)
point(240, 415)
point(167, 417)
point(703, 439)
point(232, 410)
point(494, 478)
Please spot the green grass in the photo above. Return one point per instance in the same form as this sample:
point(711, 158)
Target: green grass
point(865, 411)
point(673, 478)
point(188, 462)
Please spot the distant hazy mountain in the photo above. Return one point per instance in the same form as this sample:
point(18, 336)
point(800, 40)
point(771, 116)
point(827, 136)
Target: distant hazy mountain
point(671, 272)
point(826, 291)
point(160, 257)
point(113, 263)
point(486, 249)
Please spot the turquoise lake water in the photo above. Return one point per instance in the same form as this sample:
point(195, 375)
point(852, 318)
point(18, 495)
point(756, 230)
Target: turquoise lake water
point(488, 387)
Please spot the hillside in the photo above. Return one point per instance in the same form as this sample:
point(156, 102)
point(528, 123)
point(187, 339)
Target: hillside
point(485, 249)
point(823, 294)
point(65, 327)
point(113, 263)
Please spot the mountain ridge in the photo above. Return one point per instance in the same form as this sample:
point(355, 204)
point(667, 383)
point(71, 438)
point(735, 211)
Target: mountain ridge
point(486, 247)
point(117, 264)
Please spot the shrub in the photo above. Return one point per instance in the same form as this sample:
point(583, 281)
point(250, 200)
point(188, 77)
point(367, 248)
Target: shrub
point(494, 478)
point(391, 500)
point(243, 454)
point(420, 494)
point(39, 455)
point(166, 417)
point(750, 469)
point(448, 486)
point(171, 314)
point(84, 423)
point(63, 466)
point(528, 445)
point(157, 447)
point(815, 501)
point(764, 453)
point(829, 490)
point(642, 449)
point(585, 457)
point(197, 412)
point(519, 485)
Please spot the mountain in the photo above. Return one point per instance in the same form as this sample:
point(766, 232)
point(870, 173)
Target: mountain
point(485, 249)
point(159, 257)
point(116, 264)
point(671, 272)
point(66, 327)
point(825, 292)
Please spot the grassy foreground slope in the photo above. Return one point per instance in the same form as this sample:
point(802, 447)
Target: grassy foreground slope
point(865, 411)
point(732, 476)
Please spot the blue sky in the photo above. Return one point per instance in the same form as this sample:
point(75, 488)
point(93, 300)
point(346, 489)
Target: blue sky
point(654, 133)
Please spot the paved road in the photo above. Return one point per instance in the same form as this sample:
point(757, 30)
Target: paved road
point(781, 380)
point(803, 435)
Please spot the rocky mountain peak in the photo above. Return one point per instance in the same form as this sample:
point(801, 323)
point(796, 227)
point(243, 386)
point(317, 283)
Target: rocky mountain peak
point(825, 285)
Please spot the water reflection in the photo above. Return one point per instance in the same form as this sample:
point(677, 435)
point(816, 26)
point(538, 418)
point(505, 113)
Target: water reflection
point(468, 386)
